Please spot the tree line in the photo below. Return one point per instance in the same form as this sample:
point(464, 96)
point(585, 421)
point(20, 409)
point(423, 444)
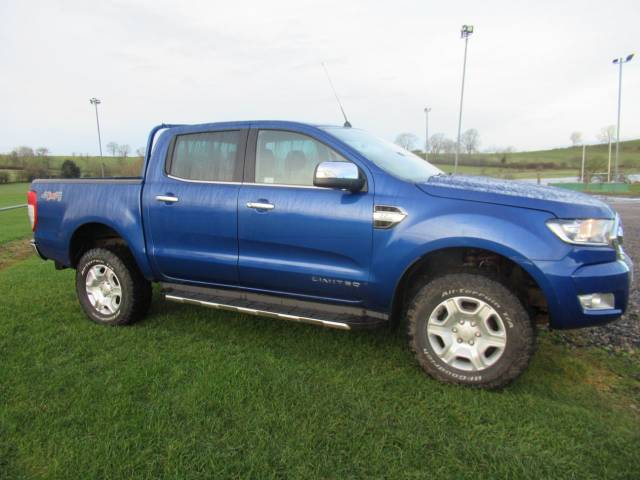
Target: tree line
point(439, 143)
point(24, 163)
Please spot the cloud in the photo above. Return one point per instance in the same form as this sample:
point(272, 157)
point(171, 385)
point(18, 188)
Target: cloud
point(537, 70)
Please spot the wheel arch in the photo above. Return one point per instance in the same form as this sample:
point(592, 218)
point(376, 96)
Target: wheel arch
point(94, 234)
point(513, 269)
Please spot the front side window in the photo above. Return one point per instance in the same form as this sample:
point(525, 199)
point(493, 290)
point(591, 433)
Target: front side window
point(210, 156)
point(287, 158)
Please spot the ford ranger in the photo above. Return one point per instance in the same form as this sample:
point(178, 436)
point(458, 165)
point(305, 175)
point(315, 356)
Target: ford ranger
point(335, 227)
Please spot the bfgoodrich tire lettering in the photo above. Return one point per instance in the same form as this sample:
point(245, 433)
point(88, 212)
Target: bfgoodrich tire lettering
point(519, 332)
point(135, 296)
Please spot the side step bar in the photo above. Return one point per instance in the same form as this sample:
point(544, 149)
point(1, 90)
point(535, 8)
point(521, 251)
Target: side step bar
point(302, 311)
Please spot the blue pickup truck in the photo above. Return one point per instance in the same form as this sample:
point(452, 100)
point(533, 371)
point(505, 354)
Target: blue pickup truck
point(334, 227)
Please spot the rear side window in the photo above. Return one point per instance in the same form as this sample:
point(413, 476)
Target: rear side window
point(287, 158)
point(210, 156)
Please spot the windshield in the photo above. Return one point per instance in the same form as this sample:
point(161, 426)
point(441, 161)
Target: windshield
point(388, 156)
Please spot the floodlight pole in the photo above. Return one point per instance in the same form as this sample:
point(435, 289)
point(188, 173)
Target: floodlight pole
point(615, 176)
point(584, 154)
point(619, 61)
point(426, 138)
point(95, 102)
point(465, 33)
point(609, 164)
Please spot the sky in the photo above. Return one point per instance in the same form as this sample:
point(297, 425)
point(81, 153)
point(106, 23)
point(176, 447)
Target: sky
point(536, 72)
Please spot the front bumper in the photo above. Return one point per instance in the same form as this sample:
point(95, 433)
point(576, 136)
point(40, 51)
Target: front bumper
point(565, 280)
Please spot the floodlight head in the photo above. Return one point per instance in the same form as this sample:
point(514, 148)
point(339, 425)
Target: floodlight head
point(427, 109)
point(616, 60)
point(94, 101)
point(466, 31)
point(629, 57)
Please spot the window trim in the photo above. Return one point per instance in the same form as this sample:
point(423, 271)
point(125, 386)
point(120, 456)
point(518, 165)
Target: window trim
point(250, 163)
point(239, 159)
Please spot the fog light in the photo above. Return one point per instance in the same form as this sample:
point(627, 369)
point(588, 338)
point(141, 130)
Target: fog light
point(597, 301)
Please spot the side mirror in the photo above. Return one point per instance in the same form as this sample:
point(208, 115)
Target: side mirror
point(343, 175)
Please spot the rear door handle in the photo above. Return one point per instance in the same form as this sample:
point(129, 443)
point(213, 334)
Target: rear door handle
point(166, 198)
point(261, 205)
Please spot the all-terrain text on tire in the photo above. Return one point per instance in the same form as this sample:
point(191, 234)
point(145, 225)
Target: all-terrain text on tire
point(471, 330)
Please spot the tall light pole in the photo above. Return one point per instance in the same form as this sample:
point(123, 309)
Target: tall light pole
point(426, 138)
point(619, 61)
point(95, 102)
point(465, 33)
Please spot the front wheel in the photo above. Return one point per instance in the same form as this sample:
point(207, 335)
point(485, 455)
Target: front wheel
point(110, 287)
point(471, 330)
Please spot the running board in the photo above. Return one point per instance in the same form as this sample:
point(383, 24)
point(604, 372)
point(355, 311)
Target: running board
point(302, 311)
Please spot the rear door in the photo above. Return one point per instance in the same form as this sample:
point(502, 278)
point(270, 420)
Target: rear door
point(294, 237)
point(191, 207)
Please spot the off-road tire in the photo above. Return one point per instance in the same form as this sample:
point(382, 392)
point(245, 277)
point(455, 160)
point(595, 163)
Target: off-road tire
point(521, 333)
point(136, 290)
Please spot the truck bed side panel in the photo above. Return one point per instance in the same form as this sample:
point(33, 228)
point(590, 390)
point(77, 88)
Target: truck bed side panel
point(66, 205)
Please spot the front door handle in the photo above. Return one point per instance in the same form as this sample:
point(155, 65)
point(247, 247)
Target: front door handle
point(166, 198)
point(261, 205)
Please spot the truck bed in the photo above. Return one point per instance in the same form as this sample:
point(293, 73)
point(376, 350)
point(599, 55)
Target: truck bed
point(64, 205)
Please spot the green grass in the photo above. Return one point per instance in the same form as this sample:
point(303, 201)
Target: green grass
point(195, 393)
point(13, 194)
point(566, 158)
point(14, 224)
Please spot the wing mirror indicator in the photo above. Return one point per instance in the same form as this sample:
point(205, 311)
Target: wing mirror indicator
point(385, 216)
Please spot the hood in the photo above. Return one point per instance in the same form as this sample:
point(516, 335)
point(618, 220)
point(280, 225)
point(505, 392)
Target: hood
point(560, 202)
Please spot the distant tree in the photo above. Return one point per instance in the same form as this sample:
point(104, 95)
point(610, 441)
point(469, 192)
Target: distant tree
point(4, 177)
point(406, 141)
point(436, 142)
point(42, 153)
point(576, 138)
point(607, 134)
point(112, 147)
point(448, 146)
point(124, 150)
point(34, 170)
point(70, 169)
point(25, 152)
point(470, 140)
point(140, 151)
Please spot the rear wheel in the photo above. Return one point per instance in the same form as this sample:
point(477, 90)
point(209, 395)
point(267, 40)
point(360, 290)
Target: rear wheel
point(469, 329)
point(110, 287)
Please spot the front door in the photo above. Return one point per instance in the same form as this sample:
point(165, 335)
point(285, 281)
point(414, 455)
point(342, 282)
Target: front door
point(191, 208)
point(297, 238)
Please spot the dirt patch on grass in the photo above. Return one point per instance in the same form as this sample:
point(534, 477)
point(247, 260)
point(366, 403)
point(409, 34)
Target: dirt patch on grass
point(13, 252)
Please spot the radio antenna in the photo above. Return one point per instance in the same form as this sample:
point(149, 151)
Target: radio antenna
point(346, 122)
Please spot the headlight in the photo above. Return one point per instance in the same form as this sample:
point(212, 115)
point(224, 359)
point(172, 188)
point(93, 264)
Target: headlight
point(584, 232)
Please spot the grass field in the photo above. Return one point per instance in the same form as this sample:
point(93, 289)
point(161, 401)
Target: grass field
point(14, 224)
point(13, 194)
point(196, 393)
point(570, 157)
